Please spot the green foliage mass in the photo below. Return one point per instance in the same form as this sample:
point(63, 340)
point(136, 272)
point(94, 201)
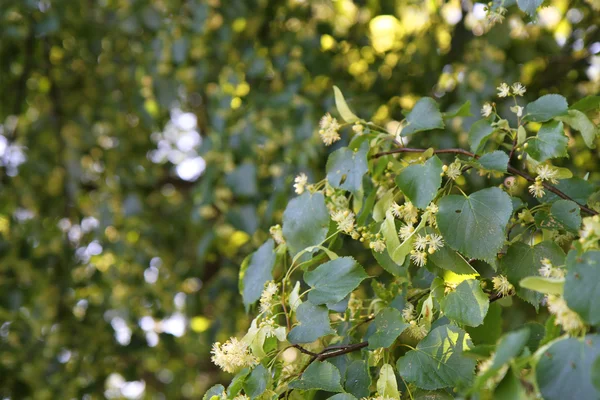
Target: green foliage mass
point(149, 148)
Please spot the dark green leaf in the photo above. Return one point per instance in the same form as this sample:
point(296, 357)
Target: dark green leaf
point(564, 370)
point(237, 382)
point(475, 225)
point(566, 212)
point(358, 379)
point(345, 168)
point(550, 142)
point(420, 183)
point(467, 305)
point(576, 188)
point(320, 375)
point(489, 332)
point(256, 271)
point(389, 325)
point(510, 346)
point(257, 382)
point(305, 222)
point(546, 108)
point(334, 280)
point(424, 116)
point(494, 161)
point(582, 286)
point(479, 133)
point(522, 260)
point(510, 388)
point(216, 390)
point(313, 322)
point(438, 362)
point(342, 396)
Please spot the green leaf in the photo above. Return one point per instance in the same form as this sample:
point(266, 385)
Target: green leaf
point(216, 390)
point(345, 168)
point(522, 261)
point(424, 116)
point(510, 388)
point(546, 108)
point(305, 222)
point(479, 134)
point(334, 280)
point(494, 161)
point(237, 382)
point(580, 122)
point(489, 332)
point(510, 346)
point(420, 183)
point(564, 370)
point(550, 142)
point(294, 300)
point(467, 305)
point(529, 6)
point(320, 375)
point(567, 213)
point(256, 383)
point(387, 386)
point(463, 111)
point(576, 188)
point(582, 286)
point(474, 225)
point(256, 272)
point(342, 396)
point(521, 135)
point(543, 285)
point(390, 235)
point(313, 323)
point(385, 261)
point(342, 106)
point(389, 324)
point(438, 362)
point(382, 205)
point(358, 379)
point(588, 103)
point(446, 258)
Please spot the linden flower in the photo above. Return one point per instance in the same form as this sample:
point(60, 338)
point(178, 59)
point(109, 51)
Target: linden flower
point(344, 219)
point(454, 170)
point(421, 242)
point(269, 327)
point(266, 297)
point(416, 330)
point(408, 312)
point(503, 90)
point(486, 110)
point(518, 89)
point(435, 242)
point(565, 317)
point(410, 213)
point(377, 245)
point(300, 183)
point(329, 129)
point(232, 355)
point(418, 257)
point(537, 189)
point(496, 16)
point(241, 397)
point(502, 286)
point(406, 231)
point(547, 173)
point(277, 234)
point(546, 269)
point(397, 210)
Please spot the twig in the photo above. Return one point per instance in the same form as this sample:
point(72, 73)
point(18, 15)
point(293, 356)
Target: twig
point(509, 168)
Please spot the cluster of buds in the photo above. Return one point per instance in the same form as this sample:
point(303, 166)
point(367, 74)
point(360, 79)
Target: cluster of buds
point(268, 297)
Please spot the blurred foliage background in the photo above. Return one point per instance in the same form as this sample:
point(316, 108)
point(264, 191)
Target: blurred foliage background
point(147, 146)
